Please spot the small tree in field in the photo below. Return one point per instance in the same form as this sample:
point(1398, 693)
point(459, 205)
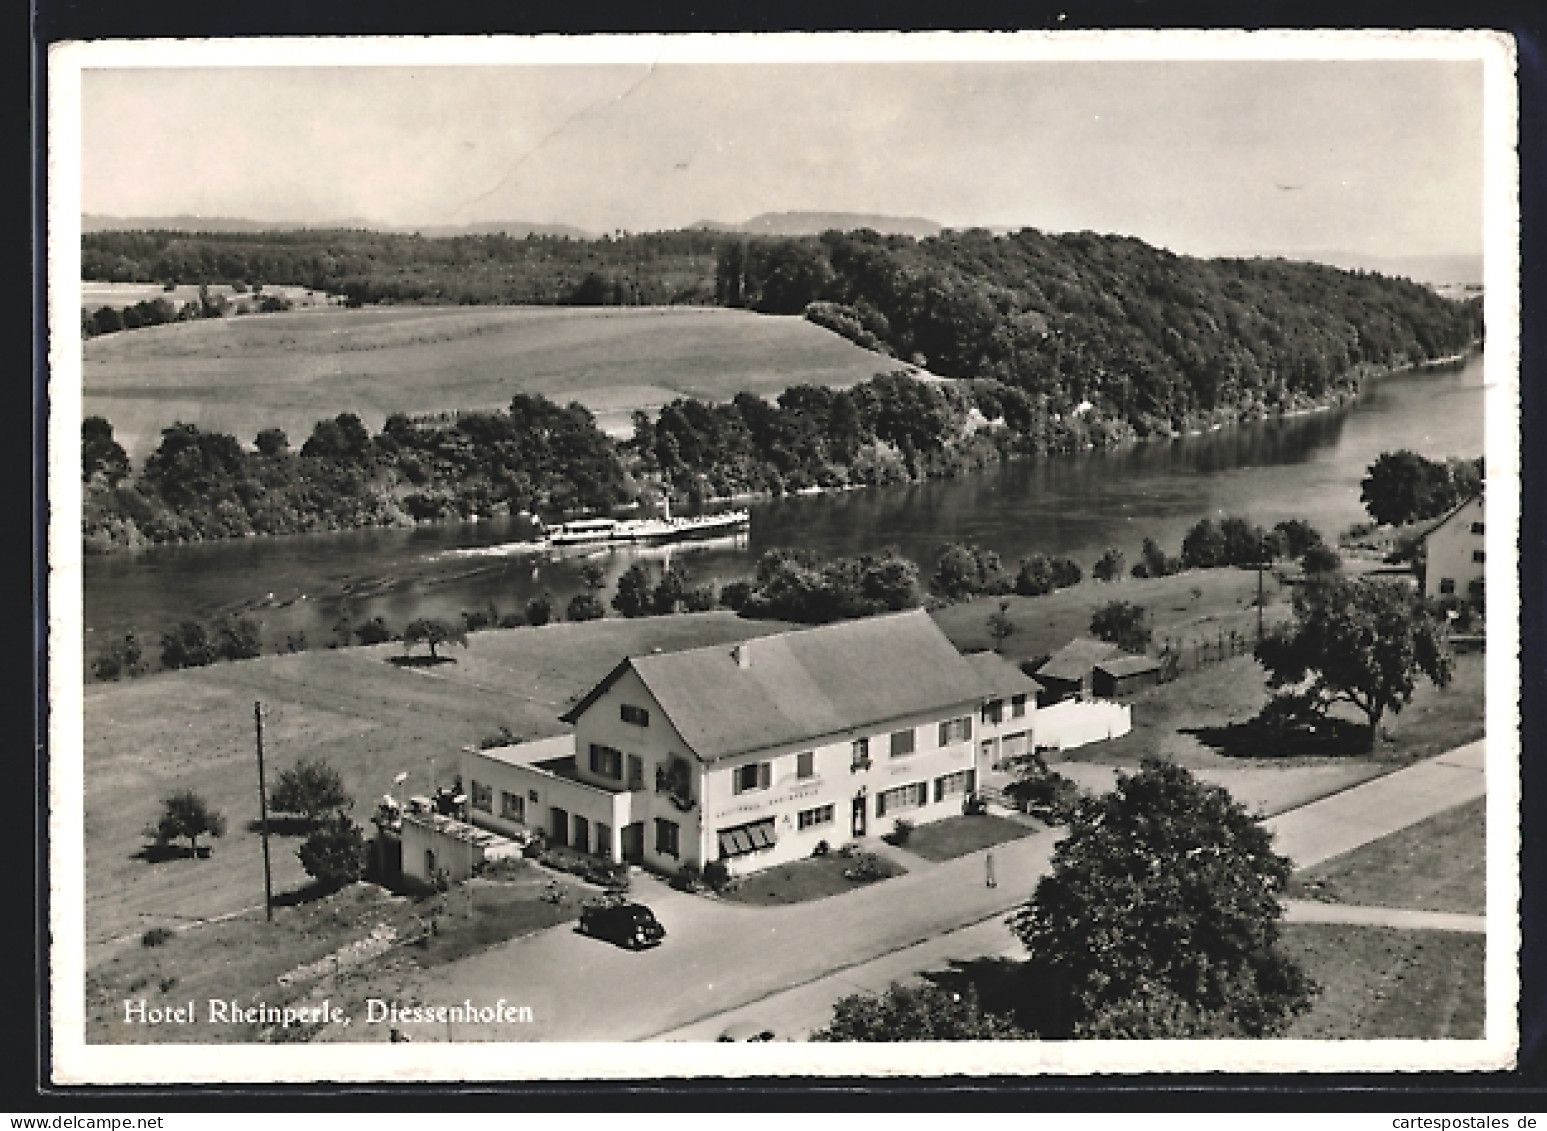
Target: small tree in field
point(585, 606)
point(433, 633)
point(1357, 641)
point(915, 1013)
point(309, 789)
point(187, 816)
point(1121, 623)
point(1160, 916)
point(334, 855)
point(1108, 567)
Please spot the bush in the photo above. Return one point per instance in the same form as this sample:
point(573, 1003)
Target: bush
point(186, 646)
point(822, 848)
point(512, 620)
point(688, 878)
point(334, 855)
point(698, 598)
point(1066, 572)
point(1121, 623)
point(187, 815)
point(539, 610)
point(1321, 558)
point(717, 875)
point(585, 606)
point(373, 631)
point(1035, 577)
point(1109, 567)
point(734, 595)
point(902, 829)
point(309, 789)
point(122, 658)
point(1043, 792)
point(155, 936)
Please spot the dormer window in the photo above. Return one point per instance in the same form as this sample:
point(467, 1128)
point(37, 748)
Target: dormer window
point(635, 716)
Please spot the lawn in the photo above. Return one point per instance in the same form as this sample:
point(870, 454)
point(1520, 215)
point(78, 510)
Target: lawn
point(816, 877)
point(366, 717)
point(1380, 984)
point(243, 958)
point(289, 370)
point(957, 836)
point(1436, 865)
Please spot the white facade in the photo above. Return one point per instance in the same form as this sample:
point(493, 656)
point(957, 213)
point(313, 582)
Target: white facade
point(1453, 553)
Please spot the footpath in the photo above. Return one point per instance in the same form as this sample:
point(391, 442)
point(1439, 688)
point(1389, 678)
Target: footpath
point(1308, 835)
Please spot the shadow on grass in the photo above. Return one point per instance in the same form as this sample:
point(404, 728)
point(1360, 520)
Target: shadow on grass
point(1010, 988)
point(420, 661)
point(1327, 738)
point(307, 893)
point(283, 826)
point(162, 853)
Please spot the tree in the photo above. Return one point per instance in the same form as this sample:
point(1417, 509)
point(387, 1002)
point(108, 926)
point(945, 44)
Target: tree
point(434, 633)
point(634, 595)
point(1296, 536)
point(1203, 547)
point(1121, 623)
point(1357, 641)
point(334, 855)
point(309, 789)
point(187, 815)
point(916, 1012)
point(1109, 567)
point(1035, 576)
point(272, 442)
point(1000, 626)
point(1320, 558)
point(100, 452)
point(238, 638)
point(1066, 572)
point(186, 646)
point(585, 606)
point(539, 610)
point(373, 631)
point(670, 591)
point(1165, 887)
point(1153, 561)
point(1402, 487)
point(121, 658)
point(964, 570)
point(593, 575)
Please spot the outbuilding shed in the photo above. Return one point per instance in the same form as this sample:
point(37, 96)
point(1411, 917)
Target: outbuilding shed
point(1112, 679)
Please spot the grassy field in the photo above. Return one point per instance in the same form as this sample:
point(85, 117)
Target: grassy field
point(240, 375)
point(1380, 984)
point(799, 881)
point(1436, 865)
point(957, 836)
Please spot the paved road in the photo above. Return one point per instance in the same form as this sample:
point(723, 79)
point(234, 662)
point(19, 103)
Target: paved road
point(1401, 918)
point(785, 966)
point(1345, 821)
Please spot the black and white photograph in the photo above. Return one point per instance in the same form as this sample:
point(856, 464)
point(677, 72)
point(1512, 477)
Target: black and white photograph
point(927, 554)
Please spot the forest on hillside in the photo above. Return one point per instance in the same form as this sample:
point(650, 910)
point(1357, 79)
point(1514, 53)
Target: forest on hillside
point(1056, 343)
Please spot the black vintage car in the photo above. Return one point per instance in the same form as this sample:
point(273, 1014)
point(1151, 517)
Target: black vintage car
point(627, 924)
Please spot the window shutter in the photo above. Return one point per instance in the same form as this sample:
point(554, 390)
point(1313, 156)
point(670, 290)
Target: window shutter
point(764, 775)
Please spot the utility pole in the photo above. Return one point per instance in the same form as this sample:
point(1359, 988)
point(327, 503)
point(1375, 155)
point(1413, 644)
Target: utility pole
point(1259, 602)
point(263, 816)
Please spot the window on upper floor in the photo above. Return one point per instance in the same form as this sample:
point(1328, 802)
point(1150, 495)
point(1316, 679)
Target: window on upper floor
point(955, 730)
point(482, 796)
point(805, 764)
point(993, 711)
point(752, 776)
point(1479, 556)
point(606, 762)
point(636, 772)
point(636, 716)
point(665, 837)
point(1477, 528)
point(1018, 707)
point(512, 806)
point(1447, 586)
point(859, 754)
point(903, 742)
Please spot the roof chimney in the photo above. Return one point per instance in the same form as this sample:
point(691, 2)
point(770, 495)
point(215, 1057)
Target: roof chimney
point(743, 654)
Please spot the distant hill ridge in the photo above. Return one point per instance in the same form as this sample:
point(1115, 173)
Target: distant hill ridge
point(815, 223)
point(92, 222)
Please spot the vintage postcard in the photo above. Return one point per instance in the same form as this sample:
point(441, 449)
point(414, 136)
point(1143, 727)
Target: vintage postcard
point(923, 554)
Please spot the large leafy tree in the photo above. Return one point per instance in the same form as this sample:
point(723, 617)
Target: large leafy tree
point(1165, 892)
point(1404, 487)
point(919, 1012)
point(1358, 641)
point(187, 816)
point(310, 789)
point(1121, 623)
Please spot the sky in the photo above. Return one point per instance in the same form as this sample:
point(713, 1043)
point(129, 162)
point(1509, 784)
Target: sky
point(1206, 158)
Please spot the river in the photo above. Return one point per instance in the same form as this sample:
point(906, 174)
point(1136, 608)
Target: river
point(1307, 466)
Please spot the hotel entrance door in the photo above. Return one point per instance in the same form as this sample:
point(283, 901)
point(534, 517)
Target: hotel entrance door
point(858, 828)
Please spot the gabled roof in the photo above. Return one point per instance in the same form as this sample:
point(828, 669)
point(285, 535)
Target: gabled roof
point(1128, 665)
point(1444, 520)
point(1075, 659)
point(997, 676)
point(802, 685)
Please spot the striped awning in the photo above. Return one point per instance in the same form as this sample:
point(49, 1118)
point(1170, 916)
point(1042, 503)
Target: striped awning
point(747, 838)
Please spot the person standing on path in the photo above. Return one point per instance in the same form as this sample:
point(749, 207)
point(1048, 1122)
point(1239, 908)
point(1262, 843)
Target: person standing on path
point(988, 864)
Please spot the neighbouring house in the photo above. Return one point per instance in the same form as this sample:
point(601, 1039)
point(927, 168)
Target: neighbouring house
point(1453, 560)
point(1123, 675)
point(1066, 674)
point(753, 753)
